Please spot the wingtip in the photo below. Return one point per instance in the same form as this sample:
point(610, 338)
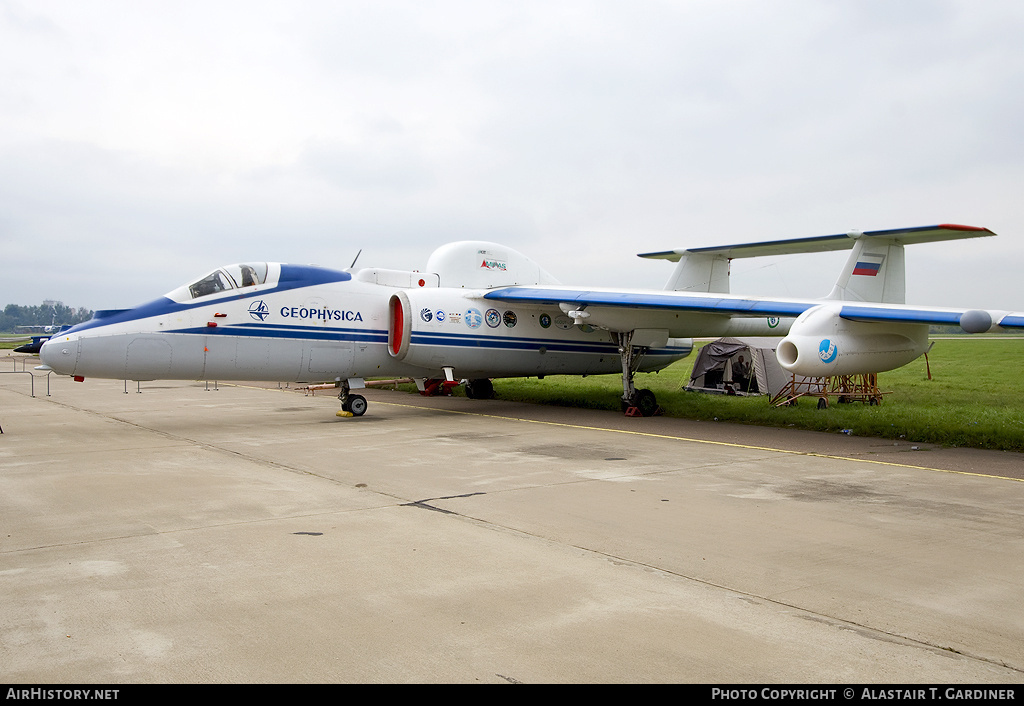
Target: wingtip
point(955, 226)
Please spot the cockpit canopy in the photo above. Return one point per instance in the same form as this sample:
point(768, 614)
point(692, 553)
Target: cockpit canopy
point(225, 279)
point(230, 277)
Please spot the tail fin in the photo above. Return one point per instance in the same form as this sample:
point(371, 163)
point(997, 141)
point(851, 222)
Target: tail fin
point(696, 272)
point(874, 271)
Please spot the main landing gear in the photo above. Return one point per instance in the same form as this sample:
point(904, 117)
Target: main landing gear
point(635, 403)
point(479, 389)
point(475, 389)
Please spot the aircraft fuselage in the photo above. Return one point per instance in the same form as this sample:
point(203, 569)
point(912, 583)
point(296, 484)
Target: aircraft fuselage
point(303, 323)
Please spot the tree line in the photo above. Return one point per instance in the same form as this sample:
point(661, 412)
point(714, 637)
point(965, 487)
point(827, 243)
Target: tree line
point(45, 314)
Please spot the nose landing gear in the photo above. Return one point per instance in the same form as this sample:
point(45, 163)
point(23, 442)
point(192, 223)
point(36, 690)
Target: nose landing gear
point(351, 405)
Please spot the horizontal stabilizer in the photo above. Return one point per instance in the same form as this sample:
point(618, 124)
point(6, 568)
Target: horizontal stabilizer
point(828, 243)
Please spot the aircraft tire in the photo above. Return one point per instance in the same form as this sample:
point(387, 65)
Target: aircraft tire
point(479, 389)
point(356, 405)
point(646, 402)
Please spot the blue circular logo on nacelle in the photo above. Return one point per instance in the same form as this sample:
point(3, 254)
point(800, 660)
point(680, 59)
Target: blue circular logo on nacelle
point(827, 351)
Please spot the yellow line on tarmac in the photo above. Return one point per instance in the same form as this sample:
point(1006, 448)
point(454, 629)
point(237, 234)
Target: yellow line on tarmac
point(683, 438)
point(705, 441)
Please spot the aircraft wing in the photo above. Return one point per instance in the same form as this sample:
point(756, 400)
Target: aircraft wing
point(671, 302)
point(652, 299)
point(932, 316)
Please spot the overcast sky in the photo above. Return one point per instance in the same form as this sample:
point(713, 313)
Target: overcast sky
point(144, 143)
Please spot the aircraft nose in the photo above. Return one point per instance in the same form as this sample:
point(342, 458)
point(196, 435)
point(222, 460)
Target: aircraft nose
point(60, 355)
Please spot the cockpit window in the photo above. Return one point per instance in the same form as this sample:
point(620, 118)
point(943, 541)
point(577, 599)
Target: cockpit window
point(248, 274)
point(230, 277)
point(210, 284)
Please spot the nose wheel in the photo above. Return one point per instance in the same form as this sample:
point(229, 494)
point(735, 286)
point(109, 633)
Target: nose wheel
point(356, 404)
point(351, 404)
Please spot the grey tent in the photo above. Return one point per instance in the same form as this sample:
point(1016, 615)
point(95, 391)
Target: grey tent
point(741, 366)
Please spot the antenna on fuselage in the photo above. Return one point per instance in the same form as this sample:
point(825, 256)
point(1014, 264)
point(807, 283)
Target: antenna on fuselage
point(356, 258)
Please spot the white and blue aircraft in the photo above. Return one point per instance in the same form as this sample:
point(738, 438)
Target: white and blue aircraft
point(480, 310)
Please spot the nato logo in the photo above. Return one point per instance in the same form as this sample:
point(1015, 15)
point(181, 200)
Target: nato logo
point(259, 311)
point(827, 351)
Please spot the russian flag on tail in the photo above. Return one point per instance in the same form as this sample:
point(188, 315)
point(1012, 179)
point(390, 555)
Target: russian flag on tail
point(868, 265)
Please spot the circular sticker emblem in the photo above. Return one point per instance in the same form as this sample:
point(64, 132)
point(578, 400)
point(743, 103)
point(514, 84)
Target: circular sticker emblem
point(510, 319)
point(426, 314)
point(439, 315)
point(545, 321)
point(493, 318)
point(563, 322)
point(773, 321)
point(474, 318)
point(827, 351)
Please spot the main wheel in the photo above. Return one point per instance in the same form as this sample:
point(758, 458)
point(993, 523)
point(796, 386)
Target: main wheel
point(646, 402)
point(479, 389)
point(356, 405)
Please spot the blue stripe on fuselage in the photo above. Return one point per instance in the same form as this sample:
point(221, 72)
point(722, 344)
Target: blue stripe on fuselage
point(552, 344)
point(298, 332)
point(441, 339)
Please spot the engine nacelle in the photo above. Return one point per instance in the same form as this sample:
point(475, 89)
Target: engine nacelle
point(431, 328)
point(435, 328)
point(821, 344)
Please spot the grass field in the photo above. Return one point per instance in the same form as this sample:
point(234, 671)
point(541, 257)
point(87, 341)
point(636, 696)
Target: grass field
point(975, 398)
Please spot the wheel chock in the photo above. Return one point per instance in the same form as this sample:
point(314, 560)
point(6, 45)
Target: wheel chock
point(343, 413)
point(635, 412)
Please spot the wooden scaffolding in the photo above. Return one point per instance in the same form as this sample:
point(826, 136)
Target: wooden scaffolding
point(842, 388)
